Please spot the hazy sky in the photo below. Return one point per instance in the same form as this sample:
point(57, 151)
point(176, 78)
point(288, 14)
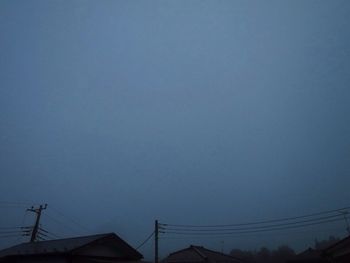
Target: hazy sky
point(195, 112)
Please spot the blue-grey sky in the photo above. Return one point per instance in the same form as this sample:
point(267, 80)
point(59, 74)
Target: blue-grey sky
point(121, 112)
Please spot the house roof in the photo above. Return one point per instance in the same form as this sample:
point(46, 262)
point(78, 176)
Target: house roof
point(340, 248)
point(310, 253)
point(68, 246)
point(337, 250)
point(199, 254)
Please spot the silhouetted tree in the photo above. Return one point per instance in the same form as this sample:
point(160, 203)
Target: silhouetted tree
point(246, 256)
point(264, 255)
point(281, 254)
point(326, 243)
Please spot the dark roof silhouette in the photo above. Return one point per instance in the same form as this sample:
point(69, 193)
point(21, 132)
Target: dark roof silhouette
point(344, 243)
point(340, 251)
point(198, 254)
point(70, 246)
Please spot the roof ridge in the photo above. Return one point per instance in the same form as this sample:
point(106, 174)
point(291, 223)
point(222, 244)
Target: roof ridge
point(69, 245)
point(214, 251)
point(59, 239)
point(220, 253)
point(196, 249)
point(336, 244)
point(96, 235)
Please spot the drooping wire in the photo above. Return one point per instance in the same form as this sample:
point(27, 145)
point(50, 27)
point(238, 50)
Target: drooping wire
point(10, 227)
point(10, 232)
point(8, 236)
point(339, 210)
point(61, 224)
point(249, 231)
point(17, 204)
point(53, 236)
point(144, 242)
point(255, 227)
point(48, 234)
point(71, 220)
point(259, 226)
point(26, 230)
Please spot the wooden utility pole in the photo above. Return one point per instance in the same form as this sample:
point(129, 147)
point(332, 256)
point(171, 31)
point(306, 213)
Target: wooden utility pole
point(37, 221)
point(156, 232)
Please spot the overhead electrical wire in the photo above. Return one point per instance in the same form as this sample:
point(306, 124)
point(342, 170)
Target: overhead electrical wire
point(53, 236)
point(42, 234)
point(10, 232)
point(71, 220)
point(18, 204)
point(296, 231)
point(62, 224)
point(340, 210)
point(47, 233)
point(250, 231)
point(11, 227)
point(27, 228)
point(255, 227)
point(8, 236)
point(144, 242)
point(69, 224)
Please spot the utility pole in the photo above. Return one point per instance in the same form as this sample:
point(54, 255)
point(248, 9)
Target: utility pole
point(37, 221)
point(156, 232)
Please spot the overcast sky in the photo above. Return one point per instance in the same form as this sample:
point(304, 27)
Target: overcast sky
point(194, 112)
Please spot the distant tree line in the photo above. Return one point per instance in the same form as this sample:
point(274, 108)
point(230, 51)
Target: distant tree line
point(279, 255)
point(264, 255)
point(325, 243)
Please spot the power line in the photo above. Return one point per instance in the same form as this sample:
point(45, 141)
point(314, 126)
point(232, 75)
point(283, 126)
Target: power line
point(20, 231)
point(41, 237)
point(11, 232)
point(23, 221)
point(48, 236)
point(259, 226)
point(73, 221)
point(253, 227)
point(43, 230)
point(250, 231)
point(58, 222)
point(8, 236)
point(144, 242)
point(53, 236)
point(11, 227)
point(18, 204)
point(48, 233)
point(262, 222)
